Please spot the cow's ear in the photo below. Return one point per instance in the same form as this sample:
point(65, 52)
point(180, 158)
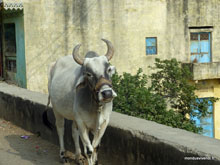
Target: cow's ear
point(80, 83)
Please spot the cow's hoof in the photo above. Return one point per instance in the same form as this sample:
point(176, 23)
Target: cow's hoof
point(89, 153)
point(64, 160)
point(96, 162)
point(82, 162)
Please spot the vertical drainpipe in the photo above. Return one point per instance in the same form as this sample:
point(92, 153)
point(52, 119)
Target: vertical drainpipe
point(2, 38)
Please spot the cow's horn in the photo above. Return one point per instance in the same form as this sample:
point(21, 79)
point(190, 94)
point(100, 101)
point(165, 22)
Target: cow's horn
point(76, 56)
point(110, 51)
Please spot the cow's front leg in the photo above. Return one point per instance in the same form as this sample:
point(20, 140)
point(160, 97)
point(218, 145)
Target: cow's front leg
point(94, 157)
point(99, 133)
point(60, 131)
point(96, 140)
point(84, 135)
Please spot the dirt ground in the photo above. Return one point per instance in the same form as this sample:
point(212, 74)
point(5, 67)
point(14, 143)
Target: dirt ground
point(19, 147)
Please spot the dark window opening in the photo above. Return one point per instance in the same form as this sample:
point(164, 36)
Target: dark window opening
point(10, 39)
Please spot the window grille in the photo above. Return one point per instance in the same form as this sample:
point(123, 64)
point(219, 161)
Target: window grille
point(11, 65)
point(194, 36)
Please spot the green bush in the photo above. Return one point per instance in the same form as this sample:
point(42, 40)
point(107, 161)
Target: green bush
point(134, 98)
point(169, 83)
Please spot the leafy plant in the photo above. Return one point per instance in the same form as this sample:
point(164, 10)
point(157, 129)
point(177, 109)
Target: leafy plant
point(134, 98)
point(168, 100)
point(171, 81)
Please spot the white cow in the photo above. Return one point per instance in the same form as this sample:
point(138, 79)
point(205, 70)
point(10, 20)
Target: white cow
point(81, 90)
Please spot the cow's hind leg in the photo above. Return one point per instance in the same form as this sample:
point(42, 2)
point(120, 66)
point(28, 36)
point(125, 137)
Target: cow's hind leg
point(60, 131)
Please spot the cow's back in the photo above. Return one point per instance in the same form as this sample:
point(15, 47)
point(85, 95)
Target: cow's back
point(63, 76)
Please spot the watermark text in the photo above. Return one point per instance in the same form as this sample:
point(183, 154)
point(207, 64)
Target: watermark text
point(199, 158)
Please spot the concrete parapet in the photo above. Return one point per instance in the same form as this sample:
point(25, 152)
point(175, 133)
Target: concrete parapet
point(204, 71)
point(127, 140)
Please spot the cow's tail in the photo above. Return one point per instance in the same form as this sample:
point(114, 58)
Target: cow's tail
point(45, 117)
point(46, 122)
point(48, 101)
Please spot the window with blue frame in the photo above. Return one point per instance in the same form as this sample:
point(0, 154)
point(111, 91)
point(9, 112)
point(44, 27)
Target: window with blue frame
point(207, 123)
point(151, 45)
point(200, 47)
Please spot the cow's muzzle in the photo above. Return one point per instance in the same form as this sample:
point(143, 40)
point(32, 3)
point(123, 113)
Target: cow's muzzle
point(107, 94)
point(104, 90)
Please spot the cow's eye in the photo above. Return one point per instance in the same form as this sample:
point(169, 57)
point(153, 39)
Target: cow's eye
point(89, 74)
point(109, 70)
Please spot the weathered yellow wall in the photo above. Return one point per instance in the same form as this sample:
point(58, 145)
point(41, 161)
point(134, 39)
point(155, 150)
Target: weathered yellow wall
point(211, 88)
point(54, 27)
point(217, 112)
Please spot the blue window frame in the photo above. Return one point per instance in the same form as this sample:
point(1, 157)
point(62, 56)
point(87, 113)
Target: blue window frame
point(200, 47)
point(207, 123)
point(151, 45)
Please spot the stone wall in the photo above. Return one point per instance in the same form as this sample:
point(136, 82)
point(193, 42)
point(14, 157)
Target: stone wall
point(127, 140)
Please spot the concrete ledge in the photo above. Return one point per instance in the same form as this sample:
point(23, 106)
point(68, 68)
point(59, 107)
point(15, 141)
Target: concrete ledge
point(204, 71)
point(128, 140)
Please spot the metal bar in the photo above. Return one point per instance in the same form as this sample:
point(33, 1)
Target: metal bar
point(3, 44)
point(2, 40)
point(202, 53)
point(210, 47)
